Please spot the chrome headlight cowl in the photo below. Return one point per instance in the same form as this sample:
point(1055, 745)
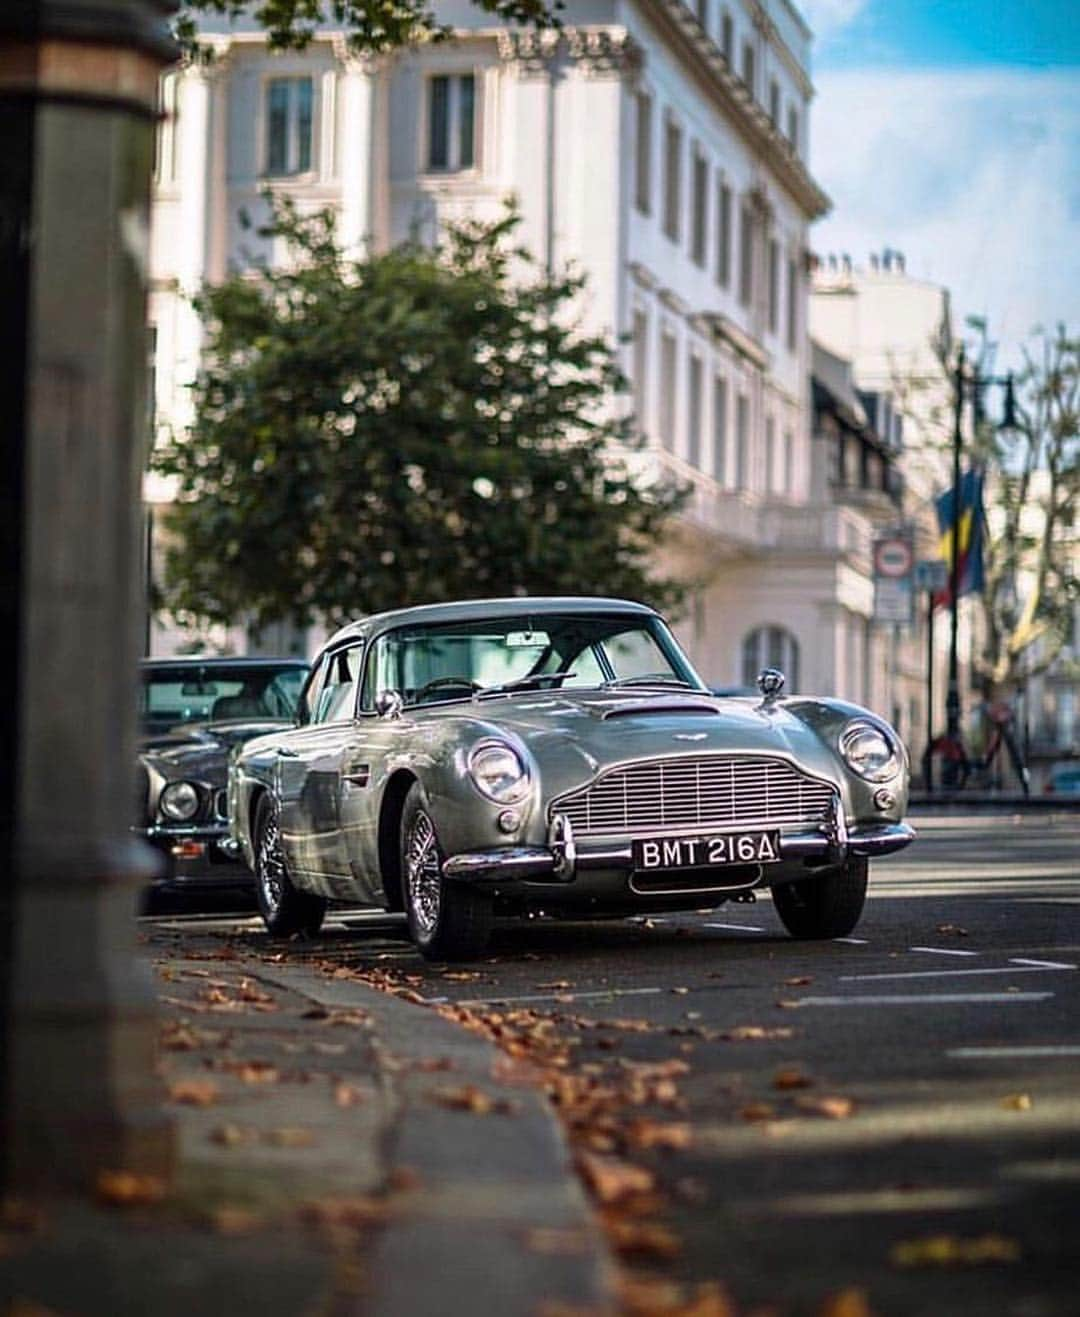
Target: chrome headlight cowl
point(179, 801)
point(497, 772)
point(870, 751)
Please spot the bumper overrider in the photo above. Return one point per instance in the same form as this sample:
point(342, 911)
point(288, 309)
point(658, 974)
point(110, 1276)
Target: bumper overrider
point(562, 859)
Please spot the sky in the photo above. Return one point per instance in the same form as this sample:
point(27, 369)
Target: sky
point(950, 131)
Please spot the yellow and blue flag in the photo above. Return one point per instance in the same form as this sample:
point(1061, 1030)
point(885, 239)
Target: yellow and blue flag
point(971, 528)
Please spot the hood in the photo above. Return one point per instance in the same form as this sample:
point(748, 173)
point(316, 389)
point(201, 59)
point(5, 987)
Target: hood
point(573, 736)
point(201, 750)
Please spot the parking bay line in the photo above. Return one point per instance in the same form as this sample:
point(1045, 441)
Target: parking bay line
point(1030, 1050)
point(1014, 968)
point(926, 999)
point(739, 928)
point(567, 995)
point(943, 951)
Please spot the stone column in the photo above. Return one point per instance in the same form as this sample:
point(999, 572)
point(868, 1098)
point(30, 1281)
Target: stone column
point(357, 149)
point(77, 1087)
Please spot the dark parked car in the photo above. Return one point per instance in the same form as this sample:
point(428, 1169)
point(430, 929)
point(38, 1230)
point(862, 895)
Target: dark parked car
point(192, 713)
point(461, 760)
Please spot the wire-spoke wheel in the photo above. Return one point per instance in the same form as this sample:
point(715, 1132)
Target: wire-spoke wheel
point(447, 920)
point(284, 910)
point(828, 904)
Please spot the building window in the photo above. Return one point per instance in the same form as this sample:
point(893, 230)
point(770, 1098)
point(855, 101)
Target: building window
point(289, 112)
point(774, 102)
point(793, 126)
point(727, 38)
point(742, 441)
point(771, 647)
point(668, 382)
point(700, 214)
point(643, 160)
point(792, 303)
point(770, 454)
point(720, 424)
point(748, 65)
point(693, 441)
point(640, 367)
point(672, 179)
point(723, 236)
point(746, 254)
point(165, 137)
point(774, 286)
point(451, 122)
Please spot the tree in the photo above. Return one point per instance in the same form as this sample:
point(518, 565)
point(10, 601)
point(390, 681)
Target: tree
point(1031, 588)
point(415, 426)
point(373, 26)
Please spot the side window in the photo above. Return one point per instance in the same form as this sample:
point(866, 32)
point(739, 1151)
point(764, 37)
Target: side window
point(337, 699)
point(309, 696)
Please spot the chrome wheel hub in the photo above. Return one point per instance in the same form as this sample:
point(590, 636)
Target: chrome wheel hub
point(270, 866)
point(422, 872)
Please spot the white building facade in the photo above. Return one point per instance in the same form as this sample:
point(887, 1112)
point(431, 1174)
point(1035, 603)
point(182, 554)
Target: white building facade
point(660, 148)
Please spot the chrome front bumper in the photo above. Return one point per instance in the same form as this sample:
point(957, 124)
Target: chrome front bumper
point(563, 858)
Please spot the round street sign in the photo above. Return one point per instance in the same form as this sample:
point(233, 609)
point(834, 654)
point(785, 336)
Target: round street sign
point(893, 557)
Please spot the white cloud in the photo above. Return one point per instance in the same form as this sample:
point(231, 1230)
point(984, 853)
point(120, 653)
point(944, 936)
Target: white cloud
point(827, 17)
point(973, 174)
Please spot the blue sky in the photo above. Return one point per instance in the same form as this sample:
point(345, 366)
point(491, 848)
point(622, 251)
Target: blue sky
point(951, 131)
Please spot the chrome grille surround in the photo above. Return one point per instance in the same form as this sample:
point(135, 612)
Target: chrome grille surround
point(694, 793)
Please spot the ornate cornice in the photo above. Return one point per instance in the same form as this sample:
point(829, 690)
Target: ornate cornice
point(353, 61)
point(598, 51)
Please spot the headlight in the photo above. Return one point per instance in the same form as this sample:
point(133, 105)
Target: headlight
point(498, 772)
point(179, 801)
point(869, 751)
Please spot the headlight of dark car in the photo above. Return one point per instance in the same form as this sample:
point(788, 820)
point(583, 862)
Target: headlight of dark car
point(179, 801)
point(497, 771)
point(870, 751)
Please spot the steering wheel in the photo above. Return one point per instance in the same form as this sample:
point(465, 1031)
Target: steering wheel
point(442, 682)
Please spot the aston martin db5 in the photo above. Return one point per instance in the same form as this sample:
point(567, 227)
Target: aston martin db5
point(463, 761)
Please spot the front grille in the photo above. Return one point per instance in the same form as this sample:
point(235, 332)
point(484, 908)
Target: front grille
point(696, 792)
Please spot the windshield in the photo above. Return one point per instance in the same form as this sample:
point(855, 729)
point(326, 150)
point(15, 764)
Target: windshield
point(456, 660)
point(170, 697)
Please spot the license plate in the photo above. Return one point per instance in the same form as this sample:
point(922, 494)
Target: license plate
point(707, 852)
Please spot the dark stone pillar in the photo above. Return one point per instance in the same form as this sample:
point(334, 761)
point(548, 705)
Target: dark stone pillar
point(77, 89)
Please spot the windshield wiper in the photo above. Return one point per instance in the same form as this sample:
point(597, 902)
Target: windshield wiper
point(525, 683)
point(651, 679)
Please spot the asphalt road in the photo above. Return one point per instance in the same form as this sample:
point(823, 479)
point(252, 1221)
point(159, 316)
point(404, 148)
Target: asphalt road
point(896, 1113)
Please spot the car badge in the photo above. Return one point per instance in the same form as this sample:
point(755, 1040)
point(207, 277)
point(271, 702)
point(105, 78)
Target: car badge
point(689, 736)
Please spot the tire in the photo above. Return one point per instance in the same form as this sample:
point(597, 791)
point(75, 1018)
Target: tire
point(284, 910)
point(447, 920)
point(827, 905)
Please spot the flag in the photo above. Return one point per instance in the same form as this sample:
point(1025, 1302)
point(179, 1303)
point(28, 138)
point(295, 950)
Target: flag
point(972, 519)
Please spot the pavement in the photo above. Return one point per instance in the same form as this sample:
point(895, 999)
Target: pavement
point(340, 1150)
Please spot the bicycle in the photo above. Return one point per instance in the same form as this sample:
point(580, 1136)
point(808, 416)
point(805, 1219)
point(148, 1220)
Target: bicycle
point(958, 765)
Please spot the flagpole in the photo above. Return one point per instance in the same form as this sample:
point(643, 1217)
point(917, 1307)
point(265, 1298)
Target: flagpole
point(952, 697)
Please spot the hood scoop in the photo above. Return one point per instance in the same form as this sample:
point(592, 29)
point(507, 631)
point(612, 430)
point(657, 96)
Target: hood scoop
point(665, 705)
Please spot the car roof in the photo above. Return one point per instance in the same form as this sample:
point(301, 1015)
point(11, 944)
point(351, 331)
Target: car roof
point(471, 610)
point(217, 663)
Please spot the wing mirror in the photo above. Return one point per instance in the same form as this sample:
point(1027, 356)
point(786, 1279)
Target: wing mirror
point(389, 704)
point(770, 683)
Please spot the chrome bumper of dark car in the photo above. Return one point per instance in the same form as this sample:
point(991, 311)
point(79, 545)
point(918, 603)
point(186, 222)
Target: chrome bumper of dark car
point(561, 861)
point(158, 832)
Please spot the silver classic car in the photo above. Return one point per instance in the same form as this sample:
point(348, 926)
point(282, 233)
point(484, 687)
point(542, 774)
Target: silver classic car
point(459, 761)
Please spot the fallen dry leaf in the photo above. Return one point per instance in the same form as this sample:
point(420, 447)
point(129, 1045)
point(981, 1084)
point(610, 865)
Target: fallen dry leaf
point(194, 1092)
point(289, 1136)
point(555, 984)
point(950, 1251)
point(1018, 1102)
point(952, 930)
point(128, 1189)
point(660, 1134)
point(744, 1033)
point(791, 1077)
point(612, 1180)
point(799, 981)
point(552, 1242)
point(234, 1220)
point(348, 1095)
point(832, 1106)
point(757, 1111)
point(233, 1136)
point(460, 975)
point(642, 1238)
point(352, 1213)
point(846, 1303)
point(654, 1296)
point(473, 1099)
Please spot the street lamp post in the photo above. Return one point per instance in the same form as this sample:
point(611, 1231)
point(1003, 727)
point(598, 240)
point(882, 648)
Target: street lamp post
point(962, 382)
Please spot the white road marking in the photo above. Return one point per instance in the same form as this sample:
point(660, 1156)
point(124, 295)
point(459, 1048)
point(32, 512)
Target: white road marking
point(926, 999)
point(943, 951)
point(568, 995)
point(1009, 1053)
point(852, 941)
point(1042, 964)
point(950, 973)
point(739, 928)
